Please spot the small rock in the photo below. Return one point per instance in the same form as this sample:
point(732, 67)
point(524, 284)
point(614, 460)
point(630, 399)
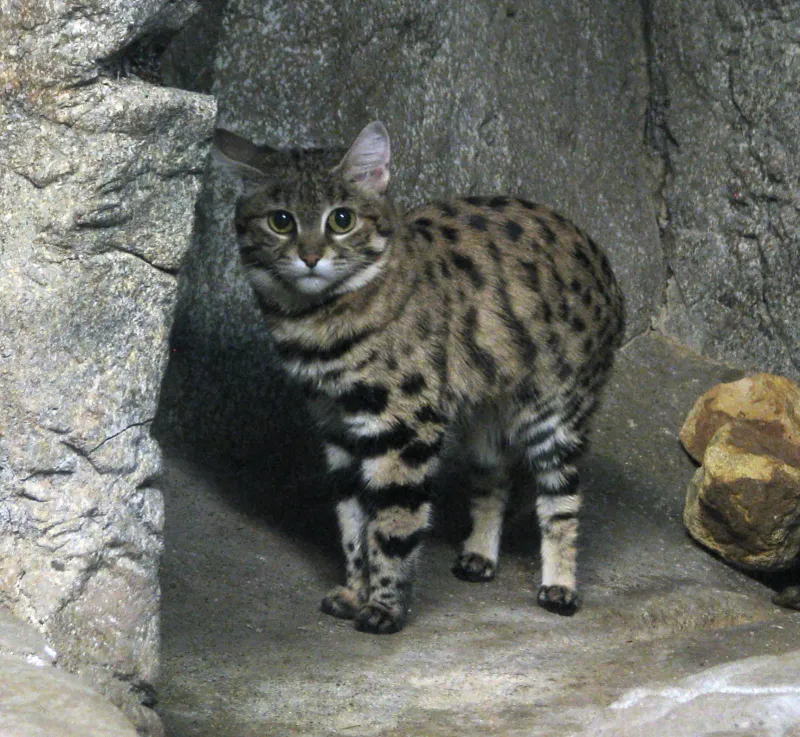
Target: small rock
point(763, 399)
point(744, 503)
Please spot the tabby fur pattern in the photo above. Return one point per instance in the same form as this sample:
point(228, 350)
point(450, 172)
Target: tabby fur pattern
point(482, 324)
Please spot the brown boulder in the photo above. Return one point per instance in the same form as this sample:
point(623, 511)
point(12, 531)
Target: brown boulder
point(744, 503)
point(770, 402)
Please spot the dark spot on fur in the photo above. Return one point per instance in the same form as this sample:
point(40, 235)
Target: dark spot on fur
point(513, 230)
point(465, 263)
point(369, 398)
point(419, 452)
point(450, 234)
point(429, 414)
point(531, 275)
point(480, 357)
point(413, 384)
point(426, 234)
point(399, 547)
point(578, 324)
point(546, 232)
point(477, 222)
point(498, 203)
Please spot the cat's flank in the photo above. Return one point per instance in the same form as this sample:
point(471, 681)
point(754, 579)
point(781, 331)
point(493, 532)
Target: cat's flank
point(482, 325)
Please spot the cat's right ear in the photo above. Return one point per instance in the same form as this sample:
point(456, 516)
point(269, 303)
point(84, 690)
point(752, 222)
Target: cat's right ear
point(238, 155)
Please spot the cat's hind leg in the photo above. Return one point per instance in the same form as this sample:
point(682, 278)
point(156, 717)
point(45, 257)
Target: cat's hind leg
point(551, 441)
point(489, 492)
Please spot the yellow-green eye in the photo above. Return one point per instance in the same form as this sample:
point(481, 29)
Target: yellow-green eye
point(281, 222)
point(341, 220)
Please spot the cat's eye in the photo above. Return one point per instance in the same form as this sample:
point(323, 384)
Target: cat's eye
point(281, 222)
point(341, 220)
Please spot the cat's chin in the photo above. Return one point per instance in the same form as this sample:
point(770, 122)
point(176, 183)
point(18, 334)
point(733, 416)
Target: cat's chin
point(311, 285)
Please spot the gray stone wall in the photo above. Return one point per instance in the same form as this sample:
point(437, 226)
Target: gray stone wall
point(99, 172)
point(728, 79)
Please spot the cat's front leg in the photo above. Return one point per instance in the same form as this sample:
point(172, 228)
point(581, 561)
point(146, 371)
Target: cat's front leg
point(345, 601)
point(398, 504)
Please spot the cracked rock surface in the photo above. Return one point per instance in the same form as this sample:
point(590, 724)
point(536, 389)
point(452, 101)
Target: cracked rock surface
point(98, 177)
point(732, 243)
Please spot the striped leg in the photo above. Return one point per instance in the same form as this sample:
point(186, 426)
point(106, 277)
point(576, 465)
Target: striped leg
point(489, 495)
point(551, 442)
point(395, 532)
point(557, 509)
point(400, 513)
point(345, 601)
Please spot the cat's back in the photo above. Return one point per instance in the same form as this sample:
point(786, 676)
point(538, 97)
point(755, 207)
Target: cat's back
point(531, 282)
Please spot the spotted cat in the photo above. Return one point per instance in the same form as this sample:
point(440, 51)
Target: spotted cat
point(485, 325)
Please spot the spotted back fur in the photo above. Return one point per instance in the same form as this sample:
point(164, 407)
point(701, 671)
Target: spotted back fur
point(482, 324)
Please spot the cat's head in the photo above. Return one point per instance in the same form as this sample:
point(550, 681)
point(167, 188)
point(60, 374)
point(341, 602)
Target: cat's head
point(309, 229)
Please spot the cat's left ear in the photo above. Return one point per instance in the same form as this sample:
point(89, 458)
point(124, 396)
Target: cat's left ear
point(366, 164)
point(239, 156)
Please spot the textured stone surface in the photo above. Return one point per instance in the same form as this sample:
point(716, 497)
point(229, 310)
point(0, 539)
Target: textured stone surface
point(754, 697)
point(744, 502)
point(46, 702)
point(545, 99)
point(726, 114)
point(765, 400)
point(47, 44)
point(98, 178)
point(39, 700)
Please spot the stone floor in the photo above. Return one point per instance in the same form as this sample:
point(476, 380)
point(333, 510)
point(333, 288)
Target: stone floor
point(246, 651)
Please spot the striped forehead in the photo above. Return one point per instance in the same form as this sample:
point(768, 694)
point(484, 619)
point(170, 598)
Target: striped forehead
point(306, 193)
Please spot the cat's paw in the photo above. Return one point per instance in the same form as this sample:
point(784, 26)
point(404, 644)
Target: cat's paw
point(378, 619)
point(558, 599)
point(342, 602)
point(473, 567)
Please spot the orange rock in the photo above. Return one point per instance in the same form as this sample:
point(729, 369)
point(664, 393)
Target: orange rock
point(766, 400)
point(744, 503)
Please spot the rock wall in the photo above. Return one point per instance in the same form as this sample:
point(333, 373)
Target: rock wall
point(99, 172)
point(727, 84)
point(539, 98)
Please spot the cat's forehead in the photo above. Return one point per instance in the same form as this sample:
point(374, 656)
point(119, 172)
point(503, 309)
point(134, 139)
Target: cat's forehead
point(302, 177)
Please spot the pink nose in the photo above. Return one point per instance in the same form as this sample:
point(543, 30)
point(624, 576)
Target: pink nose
point(310, 259)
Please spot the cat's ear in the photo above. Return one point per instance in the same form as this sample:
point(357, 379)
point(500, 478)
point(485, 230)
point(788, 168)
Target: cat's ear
point(366, 164)
point(238, 155)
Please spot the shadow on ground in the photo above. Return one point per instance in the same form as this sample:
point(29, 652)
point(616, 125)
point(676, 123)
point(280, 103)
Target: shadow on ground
point(250, 551)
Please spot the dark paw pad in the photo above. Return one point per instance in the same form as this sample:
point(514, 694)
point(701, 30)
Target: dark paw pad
point(473, 567)
point(379, 620)
point(341, 602)
point(558, 599)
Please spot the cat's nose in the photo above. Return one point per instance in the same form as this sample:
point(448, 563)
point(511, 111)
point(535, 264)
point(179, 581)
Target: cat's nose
point(310, 259)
